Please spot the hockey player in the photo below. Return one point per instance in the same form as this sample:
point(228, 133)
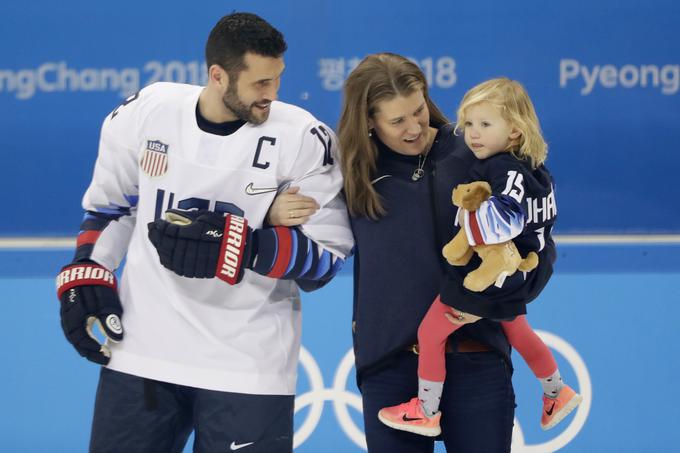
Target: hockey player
point(187, 351)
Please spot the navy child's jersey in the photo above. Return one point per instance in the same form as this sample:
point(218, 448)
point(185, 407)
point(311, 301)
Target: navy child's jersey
point(533, 189)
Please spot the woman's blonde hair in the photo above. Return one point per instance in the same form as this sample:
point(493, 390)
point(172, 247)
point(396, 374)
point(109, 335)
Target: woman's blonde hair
point(378, 78)
point(515, 106)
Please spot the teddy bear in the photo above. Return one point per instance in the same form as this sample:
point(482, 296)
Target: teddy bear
point(498, 260)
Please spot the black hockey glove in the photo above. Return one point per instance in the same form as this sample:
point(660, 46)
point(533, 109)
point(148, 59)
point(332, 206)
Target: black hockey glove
point(88, 295)
point(203, 244)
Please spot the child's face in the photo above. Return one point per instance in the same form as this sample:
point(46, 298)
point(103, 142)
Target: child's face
point(486, 132)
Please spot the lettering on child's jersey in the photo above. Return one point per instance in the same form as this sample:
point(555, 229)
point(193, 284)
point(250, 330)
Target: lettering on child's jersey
point(540, 210)
point(514, 185)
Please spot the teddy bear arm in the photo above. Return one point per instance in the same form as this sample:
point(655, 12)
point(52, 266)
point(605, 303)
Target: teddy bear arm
point(529, 263)
point(458, 252)
point(498, 261)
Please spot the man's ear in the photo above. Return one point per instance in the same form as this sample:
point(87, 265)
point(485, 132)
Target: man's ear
point(218, 76)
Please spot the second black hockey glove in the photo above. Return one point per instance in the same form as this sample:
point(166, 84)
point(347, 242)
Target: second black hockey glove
point(88, 295)
point(203, 244)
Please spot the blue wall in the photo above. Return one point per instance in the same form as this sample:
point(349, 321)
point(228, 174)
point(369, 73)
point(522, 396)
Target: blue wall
point(604, 76)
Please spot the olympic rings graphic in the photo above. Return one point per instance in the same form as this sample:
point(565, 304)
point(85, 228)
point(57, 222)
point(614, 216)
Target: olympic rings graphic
point(338, 395)
point(342, 398)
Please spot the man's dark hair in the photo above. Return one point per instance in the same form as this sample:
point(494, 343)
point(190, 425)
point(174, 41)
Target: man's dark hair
point(238, 33)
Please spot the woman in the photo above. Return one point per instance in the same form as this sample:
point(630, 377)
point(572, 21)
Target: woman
point(400, 161)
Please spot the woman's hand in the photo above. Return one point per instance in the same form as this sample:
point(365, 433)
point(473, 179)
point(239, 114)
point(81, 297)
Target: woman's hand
point(460, 318)
point(291, 209)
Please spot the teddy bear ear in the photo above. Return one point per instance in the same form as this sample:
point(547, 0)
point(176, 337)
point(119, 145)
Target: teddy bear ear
point(475, 194)
point(485, 189)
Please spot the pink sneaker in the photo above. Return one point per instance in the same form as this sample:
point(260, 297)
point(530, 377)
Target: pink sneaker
point(410, 417)
point(555, 409)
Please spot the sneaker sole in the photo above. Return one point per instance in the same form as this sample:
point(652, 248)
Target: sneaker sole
point(423, 431)
point(566, 410)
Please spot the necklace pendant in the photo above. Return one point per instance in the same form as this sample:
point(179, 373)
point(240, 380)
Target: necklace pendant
point(417, 174)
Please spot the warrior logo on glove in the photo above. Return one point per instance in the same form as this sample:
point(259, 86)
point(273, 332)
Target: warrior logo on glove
point(203, 244)
point(88, 295)
point(231, 251)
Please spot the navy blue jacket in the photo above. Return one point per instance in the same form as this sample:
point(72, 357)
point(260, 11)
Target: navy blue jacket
point(398, 265)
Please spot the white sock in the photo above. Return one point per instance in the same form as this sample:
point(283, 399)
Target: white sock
point(430, 394)
point(552, 384)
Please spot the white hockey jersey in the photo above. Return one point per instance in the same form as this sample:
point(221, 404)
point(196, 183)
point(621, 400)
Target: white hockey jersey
point(203, 332)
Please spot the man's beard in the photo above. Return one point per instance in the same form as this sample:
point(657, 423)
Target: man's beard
point(239, 109)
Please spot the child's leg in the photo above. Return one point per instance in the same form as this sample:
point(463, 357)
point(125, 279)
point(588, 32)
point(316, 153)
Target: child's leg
point(559, 399)
point(421, 415)
point(535, 353)
point(432, 335)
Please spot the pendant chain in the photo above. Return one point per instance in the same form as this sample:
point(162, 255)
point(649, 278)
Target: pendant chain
point(419, 172)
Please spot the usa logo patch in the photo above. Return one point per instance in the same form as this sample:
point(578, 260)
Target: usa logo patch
point(154, 161)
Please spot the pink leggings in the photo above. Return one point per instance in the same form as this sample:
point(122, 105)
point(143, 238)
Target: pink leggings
point(435, 329)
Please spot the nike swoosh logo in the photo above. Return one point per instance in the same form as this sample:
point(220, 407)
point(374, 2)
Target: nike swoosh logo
point(551, 409)
point(409, 419)
point(234, 446)
point(250, 190)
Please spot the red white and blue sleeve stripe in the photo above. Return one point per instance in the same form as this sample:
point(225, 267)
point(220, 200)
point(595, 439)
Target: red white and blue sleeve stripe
point(94, 223)
point(286, 253)
point(90, 229)
point(498, 219)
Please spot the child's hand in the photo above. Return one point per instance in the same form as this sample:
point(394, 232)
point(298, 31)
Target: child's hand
point(291, 209)
point(459, 318)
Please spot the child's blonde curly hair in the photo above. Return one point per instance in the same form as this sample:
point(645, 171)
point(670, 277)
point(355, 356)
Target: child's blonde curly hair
point(515, 106)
